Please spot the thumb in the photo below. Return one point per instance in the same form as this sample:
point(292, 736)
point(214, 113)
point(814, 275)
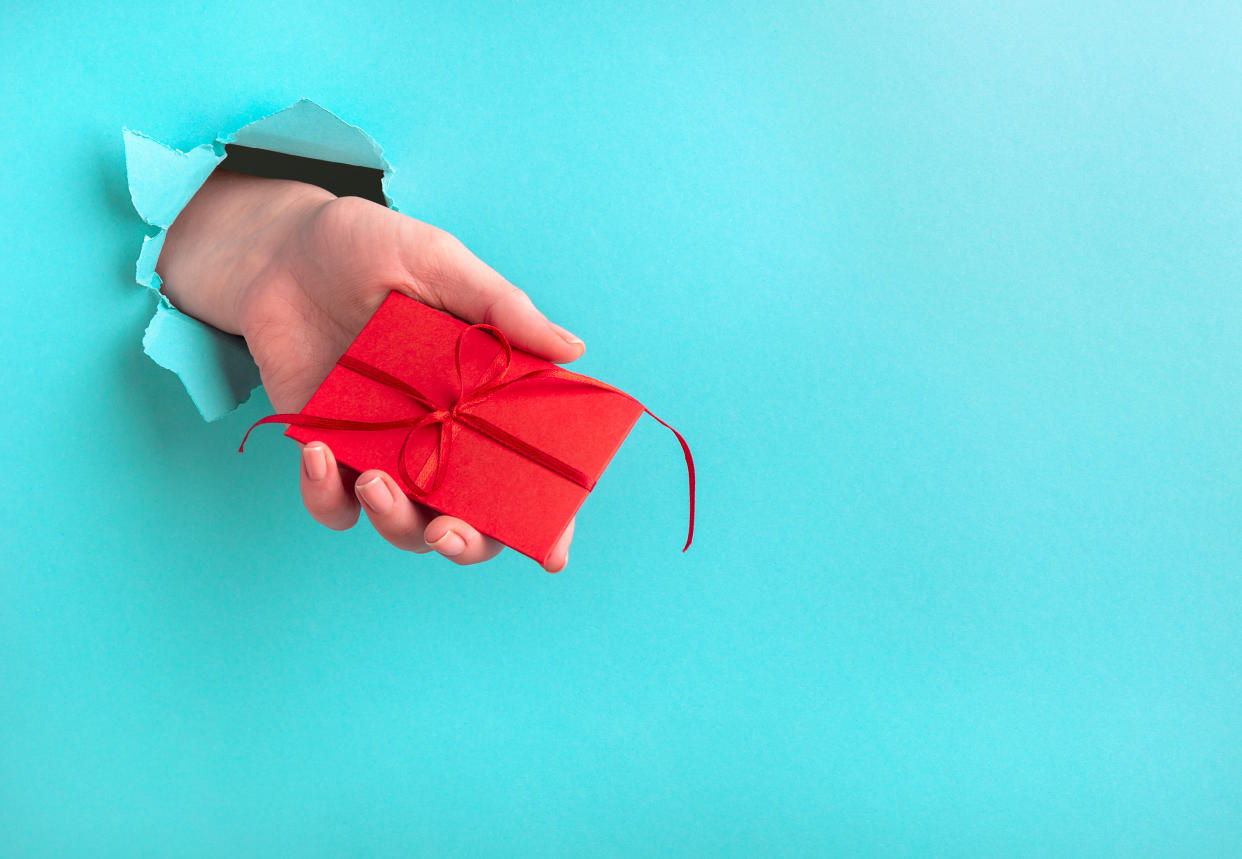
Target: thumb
point(468, 288)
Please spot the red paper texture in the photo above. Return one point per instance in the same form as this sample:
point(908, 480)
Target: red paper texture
point(499, 491)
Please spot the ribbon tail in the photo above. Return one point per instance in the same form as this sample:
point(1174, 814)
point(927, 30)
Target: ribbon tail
point(316, 422)
point(685, 449)
point(568, 376)
point(270, 419)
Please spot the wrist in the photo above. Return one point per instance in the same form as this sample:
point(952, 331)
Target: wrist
point(234, 232)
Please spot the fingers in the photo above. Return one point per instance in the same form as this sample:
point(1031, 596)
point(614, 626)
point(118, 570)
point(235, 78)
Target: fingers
point(558, 559)
point(459, 542)
point(414, 528)
point(323, 490)
point(398, 519)
point(468, 288)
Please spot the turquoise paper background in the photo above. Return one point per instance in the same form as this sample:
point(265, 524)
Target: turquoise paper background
point(946, 298)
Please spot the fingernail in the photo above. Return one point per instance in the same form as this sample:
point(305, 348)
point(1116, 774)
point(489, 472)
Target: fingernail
point(566, 336)
point(315, 462)
point(375, 494)
point(449, 545)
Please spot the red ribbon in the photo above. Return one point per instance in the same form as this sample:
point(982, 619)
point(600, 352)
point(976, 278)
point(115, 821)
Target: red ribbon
point(448, 418)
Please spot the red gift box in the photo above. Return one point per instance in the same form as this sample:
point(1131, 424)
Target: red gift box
point(470, 426)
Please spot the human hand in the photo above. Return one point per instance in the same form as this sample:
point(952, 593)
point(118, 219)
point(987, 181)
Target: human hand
point(298, 272)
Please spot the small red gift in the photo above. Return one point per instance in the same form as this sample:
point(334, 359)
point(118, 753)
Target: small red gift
point(470, 426)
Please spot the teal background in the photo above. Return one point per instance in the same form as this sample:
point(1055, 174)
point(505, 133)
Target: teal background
point(945, 297)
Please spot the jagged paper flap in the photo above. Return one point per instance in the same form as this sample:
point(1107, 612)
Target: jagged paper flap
point(306, 129)
point(215, 367)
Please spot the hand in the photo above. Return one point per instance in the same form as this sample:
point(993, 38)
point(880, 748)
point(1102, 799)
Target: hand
point(298, 271)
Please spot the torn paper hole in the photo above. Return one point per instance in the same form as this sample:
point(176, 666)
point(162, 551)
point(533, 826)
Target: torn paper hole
point(214, 366)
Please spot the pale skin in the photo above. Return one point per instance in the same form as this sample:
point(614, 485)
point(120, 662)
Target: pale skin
point(297, 272)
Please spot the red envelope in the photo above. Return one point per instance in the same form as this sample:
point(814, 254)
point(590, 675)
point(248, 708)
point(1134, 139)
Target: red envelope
point(470, 426)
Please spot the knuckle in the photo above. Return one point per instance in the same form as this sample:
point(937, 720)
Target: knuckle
point(342, 209)
point(504, 296)
point(439, 249)
point(442, 241)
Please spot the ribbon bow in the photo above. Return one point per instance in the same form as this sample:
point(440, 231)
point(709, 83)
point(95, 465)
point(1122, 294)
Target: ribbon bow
point(460, 413)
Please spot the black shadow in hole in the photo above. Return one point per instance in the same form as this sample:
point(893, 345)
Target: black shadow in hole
point(343, 180)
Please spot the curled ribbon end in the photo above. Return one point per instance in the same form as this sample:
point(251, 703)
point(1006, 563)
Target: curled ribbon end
point(685, 449)
point(241, 448)
point(270, 419)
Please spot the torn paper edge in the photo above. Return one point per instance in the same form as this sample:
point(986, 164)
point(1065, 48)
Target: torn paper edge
point(215, 367)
